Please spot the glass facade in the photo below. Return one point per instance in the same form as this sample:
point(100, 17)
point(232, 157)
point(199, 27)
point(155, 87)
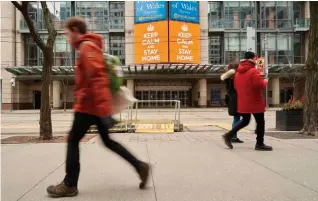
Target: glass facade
point(280, 48)
point(100, 16)
point(276, 14)
point(234, 17)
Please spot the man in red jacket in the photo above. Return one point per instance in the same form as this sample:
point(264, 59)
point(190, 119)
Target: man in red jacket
point(249, 86)
point(92, 107)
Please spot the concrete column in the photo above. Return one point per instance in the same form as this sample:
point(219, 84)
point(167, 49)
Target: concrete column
point(56, 94)
point(203, 93)
point(129, 32)
point(131, 86)
point(204, 32)
point(307, 9)
point(275, 91)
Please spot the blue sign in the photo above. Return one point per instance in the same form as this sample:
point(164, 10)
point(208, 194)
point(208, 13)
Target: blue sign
point(187, 11)
point(149, 11)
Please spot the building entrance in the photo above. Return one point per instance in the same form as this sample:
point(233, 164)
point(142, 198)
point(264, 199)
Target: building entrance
point(183, 96)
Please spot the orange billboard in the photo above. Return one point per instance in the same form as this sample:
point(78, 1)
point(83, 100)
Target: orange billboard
point(151, 42)
point(184, 42)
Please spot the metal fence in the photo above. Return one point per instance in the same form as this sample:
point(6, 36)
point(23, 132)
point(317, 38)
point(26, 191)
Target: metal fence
point(133, 112)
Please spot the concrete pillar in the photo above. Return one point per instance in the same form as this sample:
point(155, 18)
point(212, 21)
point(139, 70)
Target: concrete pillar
point(129, 32)
point(275, 91)
point(203, 93)
point(56, 94)
point(307, 9)
point(131, 86)
point(204, 32)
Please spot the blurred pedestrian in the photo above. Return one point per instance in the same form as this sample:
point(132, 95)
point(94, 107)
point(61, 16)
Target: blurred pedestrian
point(249, 85)
point(231, 97)
point(92, 107)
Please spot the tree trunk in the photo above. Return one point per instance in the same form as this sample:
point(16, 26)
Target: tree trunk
point(45, 112)
point(311, 89)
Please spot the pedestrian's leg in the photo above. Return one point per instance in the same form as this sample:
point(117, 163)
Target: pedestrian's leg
point(68, 187)
point(236, 119)
point(241, 124)
point(141, 167)
point(260, 131)
point(81, 124)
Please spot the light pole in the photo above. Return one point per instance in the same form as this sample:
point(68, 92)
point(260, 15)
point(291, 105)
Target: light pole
point(266, 70)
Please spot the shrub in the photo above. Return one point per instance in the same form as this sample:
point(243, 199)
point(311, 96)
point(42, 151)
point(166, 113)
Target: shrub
point(294, 105)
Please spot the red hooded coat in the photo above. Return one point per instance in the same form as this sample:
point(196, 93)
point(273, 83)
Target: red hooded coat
point(92, 91)
point(249, 86)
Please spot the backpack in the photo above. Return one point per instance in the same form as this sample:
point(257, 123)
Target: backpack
point(113, 70)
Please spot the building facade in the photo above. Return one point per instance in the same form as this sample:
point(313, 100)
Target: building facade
point(168, 50)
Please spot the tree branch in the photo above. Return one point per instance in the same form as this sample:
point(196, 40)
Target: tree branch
point(48, 22)
point(17, 5)
point(24, 11)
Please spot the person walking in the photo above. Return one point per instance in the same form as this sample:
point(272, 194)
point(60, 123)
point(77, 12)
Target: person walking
point(92, 107)
point(249, 85)
point(231, 97)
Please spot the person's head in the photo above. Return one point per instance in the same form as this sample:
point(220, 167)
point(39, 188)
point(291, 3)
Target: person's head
point(74, 27)
point(249, 55)
point(233, 65)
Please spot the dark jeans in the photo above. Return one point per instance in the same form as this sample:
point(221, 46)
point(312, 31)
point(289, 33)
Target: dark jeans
point(81, 124)
point(260, 126)
point(236, 119)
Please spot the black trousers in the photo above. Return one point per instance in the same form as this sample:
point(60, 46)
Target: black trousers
point(260, 126)
point(81, 124)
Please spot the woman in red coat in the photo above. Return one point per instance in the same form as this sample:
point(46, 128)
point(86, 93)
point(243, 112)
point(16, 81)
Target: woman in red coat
point(249, 86)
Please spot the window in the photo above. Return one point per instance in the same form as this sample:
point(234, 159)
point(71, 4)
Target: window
point(31, 52)
point(215, 49)
point(117, 15)
point(299, 48)
point(215, 14)
point(96, 13)
point(276, 14)
point(239, 14)
point(235, 46)
point(117, 47)
point(280, 50)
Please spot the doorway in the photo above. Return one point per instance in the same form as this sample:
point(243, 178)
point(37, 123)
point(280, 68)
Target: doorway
point(215, 97)
point(37, 99)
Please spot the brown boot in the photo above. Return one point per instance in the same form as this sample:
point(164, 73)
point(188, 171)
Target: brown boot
point(61, 190)
point(143, 172)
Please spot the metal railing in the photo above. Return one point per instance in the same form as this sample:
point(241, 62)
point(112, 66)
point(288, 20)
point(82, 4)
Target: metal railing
point(302, 23)
point(177, 124)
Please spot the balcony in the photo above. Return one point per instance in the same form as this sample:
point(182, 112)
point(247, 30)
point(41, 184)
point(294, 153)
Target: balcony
point(230, 24)
point(302, 24)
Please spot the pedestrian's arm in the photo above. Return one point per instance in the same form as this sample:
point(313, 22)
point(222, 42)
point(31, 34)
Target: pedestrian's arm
point(258, 81)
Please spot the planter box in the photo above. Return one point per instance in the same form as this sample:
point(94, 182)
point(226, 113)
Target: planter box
point(289, 120)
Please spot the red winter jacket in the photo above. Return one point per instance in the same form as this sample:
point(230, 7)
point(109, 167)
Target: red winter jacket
point(92, 93)
point(249, 86)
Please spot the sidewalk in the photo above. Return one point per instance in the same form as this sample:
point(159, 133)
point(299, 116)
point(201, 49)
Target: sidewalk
point(186, 167)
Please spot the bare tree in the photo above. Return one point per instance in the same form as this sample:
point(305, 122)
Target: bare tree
point(311, 89)
point(47, 50)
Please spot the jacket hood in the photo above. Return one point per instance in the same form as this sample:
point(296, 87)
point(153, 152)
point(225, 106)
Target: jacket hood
point(227, 74)
point(245, 65)
point(95, 38)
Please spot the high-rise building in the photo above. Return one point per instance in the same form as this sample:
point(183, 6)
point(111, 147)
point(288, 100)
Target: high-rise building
point(168, 50)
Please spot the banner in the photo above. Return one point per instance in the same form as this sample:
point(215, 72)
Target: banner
point(260, 65)
point(184, 39)
point(151, 42)
point(187, 11)
point(149, 11)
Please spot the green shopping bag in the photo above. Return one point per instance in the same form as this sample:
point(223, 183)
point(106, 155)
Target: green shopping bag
point(114, 71)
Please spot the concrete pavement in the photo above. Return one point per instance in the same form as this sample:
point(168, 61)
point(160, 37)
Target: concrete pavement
point(187, 166)
point(27, 121)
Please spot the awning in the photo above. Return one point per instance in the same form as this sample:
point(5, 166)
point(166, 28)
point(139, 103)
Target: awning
point(171, 69)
